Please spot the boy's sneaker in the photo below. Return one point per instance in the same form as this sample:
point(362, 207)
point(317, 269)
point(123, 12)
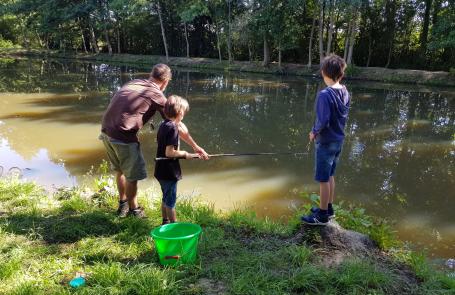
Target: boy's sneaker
point(330, 211)
point(317, 218)
point(138, 212)
point(123, 209)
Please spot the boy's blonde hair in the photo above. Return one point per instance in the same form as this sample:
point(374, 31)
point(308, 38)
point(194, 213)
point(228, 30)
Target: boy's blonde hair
point(174, 105)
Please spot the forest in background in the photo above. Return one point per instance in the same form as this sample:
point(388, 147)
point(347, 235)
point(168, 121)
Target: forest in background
point(415, 34)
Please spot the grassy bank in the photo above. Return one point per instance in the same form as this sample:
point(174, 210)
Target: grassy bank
point(45, 239)
point(355, 73)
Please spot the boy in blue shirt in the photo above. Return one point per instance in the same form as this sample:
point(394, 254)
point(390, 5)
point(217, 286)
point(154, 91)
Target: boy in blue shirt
point(168, 172)
point(332, 108)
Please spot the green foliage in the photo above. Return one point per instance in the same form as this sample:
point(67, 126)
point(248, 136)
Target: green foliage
point(383, 27)
point(6, 43)
point(189, 10)
point(352, 71)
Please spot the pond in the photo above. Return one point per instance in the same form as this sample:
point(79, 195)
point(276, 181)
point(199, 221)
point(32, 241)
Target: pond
point(398, 160)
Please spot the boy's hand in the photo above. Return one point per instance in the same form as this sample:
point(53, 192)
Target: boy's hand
point(192, 156)
point(311, 136)
point(201, 152)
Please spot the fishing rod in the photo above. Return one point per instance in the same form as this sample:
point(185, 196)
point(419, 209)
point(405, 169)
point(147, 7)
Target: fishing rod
point(238, 155)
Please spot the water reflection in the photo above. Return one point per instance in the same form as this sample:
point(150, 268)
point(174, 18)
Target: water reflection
point(398, 160)
point(39, 167)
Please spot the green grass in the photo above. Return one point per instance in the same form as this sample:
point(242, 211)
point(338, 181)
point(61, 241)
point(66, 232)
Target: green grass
point(45, 239)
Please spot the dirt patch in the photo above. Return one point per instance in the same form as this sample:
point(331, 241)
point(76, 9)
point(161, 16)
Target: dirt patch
point(209, 287)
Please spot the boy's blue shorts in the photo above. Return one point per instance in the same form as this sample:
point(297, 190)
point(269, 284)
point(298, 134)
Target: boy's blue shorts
point(326, 159)
point(169, 189)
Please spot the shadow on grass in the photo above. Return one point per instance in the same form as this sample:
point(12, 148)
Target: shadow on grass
point(62, 227)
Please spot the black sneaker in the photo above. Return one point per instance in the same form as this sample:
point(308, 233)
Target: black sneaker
point(165, 221)
point(123, 209)
point(315, 219)
point(138, 212)
point(330, 211)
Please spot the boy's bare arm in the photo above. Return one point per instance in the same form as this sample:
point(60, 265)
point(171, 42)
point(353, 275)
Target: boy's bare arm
point(186, 137)
point(171, 152)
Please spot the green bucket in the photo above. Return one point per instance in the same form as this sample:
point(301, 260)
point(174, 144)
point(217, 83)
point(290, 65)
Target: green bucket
point(176, 243)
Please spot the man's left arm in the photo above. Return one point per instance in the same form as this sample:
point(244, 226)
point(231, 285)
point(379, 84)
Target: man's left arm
point(186, 137)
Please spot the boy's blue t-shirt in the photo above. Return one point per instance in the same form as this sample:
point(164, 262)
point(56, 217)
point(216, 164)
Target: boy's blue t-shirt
point(332, 108)
point(168, 134)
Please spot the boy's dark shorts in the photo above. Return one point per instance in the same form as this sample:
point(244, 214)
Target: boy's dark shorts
point(169, 189)
point(327, 156)
point(125, 157)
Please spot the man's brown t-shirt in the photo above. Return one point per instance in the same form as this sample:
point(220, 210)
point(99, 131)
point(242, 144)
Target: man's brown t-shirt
point(130, 108)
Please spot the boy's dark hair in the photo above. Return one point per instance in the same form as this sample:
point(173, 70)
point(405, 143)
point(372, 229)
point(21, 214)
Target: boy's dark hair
point(161, 73)
point(174, 105)
point(333, 67)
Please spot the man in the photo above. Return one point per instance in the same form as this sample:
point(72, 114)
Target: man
point(130, 108)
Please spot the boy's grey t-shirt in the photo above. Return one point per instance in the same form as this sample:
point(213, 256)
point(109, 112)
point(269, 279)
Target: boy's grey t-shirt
point(332, 108)
point(168, 134)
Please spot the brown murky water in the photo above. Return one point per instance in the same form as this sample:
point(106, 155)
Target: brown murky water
point(398, 159)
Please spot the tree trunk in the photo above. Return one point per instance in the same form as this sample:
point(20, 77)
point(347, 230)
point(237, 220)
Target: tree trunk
point(93, 40)
point(331, 25)
point(370, 50)
point(266, 60)
point(186, 39)
point(229, 33)
point(346, 41)
point(320, 35)
point(118, 39)
point(310, 46)
point(83, 41)
point(108, 41)
point(47, 42)
point(218, 42)
point(162, 30)
point(250, 52)
point(124, 44)
point(279, 55)
point(335, 46)
point(352, 39)
point(389, 57)
point(426, 24)
point(390, 22)
point(41, 43)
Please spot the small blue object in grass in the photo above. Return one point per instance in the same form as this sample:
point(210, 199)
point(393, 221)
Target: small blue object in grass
point(77, 282)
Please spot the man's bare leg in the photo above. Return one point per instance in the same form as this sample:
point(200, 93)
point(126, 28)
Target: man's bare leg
point(121, 186)
point(131, 194)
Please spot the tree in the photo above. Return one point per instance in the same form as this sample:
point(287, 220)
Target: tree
point(188, 11)
point(156, 7)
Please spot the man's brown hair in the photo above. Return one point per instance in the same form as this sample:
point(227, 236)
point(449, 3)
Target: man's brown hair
point(174, 105)
point(333, 67)
point(161, 73)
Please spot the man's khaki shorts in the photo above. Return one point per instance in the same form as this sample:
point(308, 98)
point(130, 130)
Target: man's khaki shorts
point(126, 158)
